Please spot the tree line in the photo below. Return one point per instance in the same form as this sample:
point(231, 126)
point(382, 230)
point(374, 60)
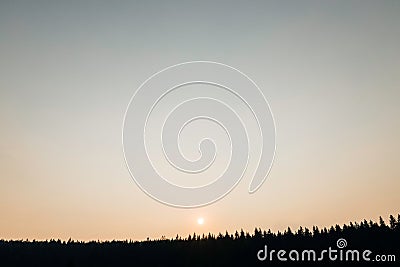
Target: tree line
point(223, 249)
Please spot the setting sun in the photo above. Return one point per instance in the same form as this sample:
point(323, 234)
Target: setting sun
point(200, 221)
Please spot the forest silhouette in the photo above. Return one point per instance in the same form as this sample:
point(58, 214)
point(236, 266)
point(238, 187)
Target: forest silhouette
point(224, 249)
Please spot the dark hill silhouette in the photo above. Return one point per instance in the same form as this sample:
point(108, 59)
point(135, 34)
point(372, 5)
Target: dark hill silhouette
point(228, 249)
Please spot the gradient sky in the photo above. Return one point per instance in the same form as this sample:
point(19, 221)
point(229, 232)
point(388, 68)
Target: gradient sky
point(329, 69)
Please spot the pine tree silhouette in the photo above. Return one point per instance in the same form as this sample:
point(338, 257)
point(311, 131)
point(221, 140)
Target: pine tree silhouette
point(238, 249)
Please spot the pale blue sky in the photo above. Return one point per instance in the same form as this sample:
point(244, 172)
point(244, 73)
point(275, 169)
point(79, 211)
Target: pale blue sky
point(329, 69)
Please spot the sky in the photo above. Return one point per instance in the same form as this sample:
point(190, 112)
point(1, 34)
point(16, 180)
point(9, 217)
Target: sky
point(329, 70)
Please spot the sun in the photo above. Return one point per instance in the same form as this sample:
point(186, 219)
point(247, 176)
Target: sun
point(200, 221)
